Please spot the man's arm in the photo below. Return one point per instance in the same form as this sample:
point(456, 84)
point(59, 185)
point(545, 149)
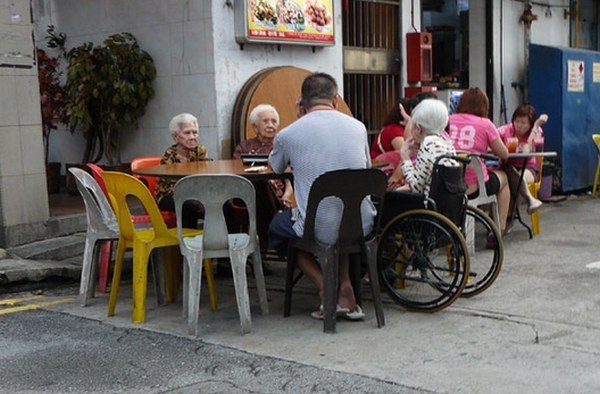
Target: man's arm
point(277, 159)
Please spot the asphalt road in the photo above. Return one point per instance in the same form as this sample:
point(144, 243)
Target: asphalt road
point(48, 351)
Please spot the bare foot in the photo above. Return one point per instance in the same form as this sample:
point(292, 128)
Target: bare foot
point(346, 296)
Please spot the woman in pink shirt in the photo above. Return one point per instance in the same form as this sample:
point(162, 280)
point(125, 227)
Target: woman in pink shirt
point(527, 130)
point(471, 131)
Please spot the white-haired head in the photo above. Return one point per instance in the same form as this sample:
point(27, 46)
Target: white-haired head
point(431, 115)
point(260, 109)
point(178, 120)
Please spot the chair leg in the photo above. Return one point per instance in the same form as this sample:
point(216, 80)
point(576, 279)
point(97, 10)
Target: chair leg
point(105, 256)
point(329, 264)
point(141, 253)
point(240, 282)
point(186, 286)
point(355, 267)
point(535, 216)
point(289, 281)
point(172, 272)
point(114, 288)
point(157, 264)
point(371, 257)
point(596, 181)
point(260, 280)
point(87, 270)
point(210, 284)
point(194, 268)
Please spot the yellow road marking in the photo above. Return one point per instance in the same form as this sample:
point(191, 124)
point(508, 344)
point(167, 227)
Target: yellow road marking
point(13, 301)
point(34, 306)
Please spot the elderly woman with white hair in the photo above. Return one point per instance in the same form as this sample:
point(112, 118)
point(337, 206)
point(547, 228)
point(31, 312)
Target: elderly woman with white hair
point(184, 131)
point(427, 122)
point(273, 195)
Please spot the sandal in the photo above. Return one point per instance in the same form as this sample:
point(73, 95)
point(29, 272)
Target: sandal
point(339, 312)
point(356, 314)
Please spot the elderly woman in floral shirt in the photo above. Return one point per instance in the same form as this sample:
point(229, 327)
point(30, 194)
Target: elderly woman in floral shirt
point(184, 130)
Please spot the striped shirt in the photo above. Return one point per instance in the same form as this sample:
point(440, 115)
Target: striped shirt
point(418, 175)
point(319, 142)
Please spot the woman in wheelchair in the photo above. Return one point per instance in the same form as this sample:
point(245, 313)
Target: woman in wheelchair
point(428, 121)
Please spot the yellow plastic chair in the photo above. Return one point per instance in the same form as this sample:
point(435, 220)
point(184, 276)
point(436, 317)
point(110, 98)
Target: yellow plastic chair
point(596, 138)
point(120, 186)
point(534, 189)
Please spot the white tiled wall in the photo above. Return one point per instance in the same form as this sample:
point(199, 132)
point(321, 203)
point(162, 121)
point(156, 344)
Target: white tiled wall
point(23, 193)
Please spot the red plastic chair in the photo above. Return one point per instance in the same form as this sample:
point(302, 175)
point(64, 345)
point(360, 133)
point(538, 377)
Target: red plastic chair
point(392, 160)
point(106, 248)
point(150, 181)
point(141, 162)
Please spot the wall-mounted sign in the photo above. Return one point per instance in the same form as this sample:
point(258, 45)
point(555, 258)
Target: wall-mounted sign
point(304, 22)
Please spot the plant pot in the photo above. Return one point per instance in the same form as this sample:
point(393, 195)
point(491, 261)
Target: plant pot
point(71, 186)
point(53, 177)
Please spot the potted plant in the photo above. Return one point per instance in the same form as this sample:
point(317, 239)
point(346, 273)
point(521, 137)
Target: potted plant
point(53, 107)
point(108, 86)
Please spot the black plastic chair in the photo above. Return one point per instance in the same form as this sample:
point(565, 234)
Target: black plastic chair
point(352, 187)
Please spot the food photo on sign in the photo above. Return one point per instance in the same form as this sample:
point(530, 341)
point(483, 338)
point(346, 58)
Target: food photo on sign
point(294, 21)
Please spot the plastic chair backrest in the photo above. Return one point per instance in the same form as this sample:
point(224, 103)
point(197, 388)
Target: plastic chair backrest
point(100, 214)
point(448, 189)
point(213, 191)
point(141, 162)
point(350, 186)
point(120, 186)
point(392, 158)
point(97, 174)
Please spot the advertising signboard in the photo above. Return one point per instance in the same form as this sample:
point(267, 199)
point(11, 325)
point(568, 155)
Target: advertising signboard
point(303, 22)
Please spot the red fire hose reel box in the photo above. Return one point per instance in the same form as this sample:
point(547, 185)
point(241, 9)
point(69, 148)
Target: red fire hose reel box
point(419, 62)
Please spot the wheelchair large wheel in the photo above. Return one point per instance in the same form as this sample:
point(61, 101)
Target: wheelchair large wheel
point(422, 261)
point(486, 251)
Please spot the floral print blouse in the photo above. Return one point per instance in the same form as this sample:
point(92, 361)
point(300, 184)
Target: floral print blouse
point(164, 186)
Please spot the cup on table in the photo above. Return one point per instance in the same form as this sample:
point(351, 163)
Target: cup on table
point(511, 144)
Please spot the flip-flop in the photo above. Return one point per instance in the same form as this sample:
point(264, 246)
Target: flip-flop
point(356, 314)
point(339, 312)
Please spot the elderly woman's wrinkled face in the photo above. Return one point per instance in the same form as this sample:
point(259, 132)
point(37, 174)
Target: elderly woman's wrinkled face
point(267, 126)
point(187, 136)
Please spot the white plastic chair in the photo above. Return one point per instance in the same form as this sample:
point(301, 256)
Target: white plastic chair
point(482, 199)
point(213, 191)
point(102, 225)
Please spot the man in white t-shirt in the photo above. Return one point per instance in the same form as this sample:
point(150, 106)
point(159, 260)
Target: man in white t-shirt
point(322, 140)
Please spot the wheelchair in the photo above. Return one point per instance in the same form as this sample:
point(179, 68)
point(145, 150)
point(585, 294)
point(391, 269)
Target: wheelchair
point(434, 249)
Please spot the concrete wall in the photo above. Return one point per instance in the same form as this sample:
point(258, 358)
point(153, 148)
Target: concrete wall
point(200, 67)
point(23, 197)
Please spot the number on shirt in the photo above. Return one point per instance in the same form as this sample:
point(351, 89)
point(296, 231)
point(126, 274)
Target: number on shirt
point(464, 139)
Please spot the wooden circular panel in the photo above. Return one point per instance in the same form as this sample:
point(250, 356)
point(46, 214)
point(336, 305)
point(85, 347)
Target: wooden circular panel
point(278, 86)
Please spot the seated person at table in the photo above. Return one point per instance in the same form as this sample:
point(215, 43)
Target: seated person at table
point(471, 131)
point(321, 140)
point(391, 137)
point(396, 178)
point(428, 121)
point(184, 130)
point(272, 195)
point(527, 129)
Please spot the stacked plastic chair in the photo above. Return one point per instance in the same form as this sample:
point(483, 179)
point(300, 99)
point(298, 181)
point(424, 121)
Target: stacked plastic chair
point(102, 226)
